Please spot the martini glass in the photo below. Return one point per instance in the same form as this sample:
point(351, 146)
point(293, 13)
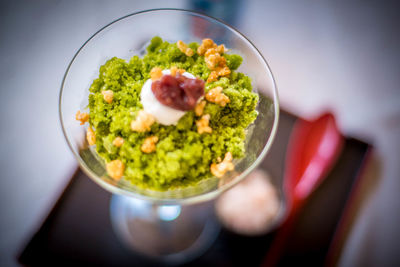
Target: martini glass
point(179, 224)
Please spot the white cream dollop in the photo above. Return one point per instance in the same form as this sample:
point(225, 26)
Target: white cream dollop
point(163, 114)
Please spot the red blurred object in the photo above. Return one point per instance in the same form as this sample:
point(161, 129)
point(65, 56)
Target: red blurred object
point(313, 149)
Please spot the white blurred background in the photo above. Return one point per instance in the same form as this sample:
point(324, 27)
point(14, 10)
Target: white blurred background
point(332, 55)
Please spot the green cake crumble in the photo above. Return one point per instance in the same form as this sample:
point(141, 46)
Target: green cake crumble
point(182, 156)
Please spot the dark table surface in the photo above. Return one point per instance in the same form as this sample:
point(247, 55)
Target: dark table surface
point(78, 230)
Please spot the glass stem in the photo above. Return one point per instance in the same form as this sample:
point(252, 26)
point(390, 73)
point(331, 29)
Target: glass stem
point(168, 233)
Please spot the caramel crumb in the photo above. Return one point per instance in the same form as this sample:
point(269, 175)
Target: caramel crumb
point(216, 96)
point(226, 165)
point(143, 122)
point(108, 96)
point(214, 59)
point(82, 117)
point(218, 72)
point(185, 49)
point(202, 124)
point(115, 168)
point(205, 45)
point(91, 137)
point(212, 77)
point(221, 49)
point(118, 141)
point(210, 52)
point(223, 71)
point(155, 73)
point(149, 144)
point(175, 70)
point(199, 108)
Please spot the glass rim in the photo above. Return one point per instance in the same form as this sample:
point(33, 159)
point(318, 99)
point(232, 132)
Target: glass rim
point(191, 199)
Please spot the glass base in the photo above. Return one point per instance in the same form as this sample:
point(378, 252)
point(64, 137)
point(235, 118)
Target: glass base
point(168, 233)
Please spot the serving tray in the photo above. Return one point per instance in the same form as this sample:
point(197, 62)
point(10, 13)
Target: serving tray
point(77, 231)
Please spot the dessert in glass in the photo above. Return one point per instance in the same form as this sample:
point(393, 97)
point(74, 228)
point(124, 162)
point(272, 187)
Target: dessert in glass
point(122, 145)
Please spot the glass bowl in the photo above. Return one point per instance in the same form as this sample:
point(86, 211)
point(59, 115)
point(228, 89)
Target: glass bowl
point(128, 36)
point(123, 38)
